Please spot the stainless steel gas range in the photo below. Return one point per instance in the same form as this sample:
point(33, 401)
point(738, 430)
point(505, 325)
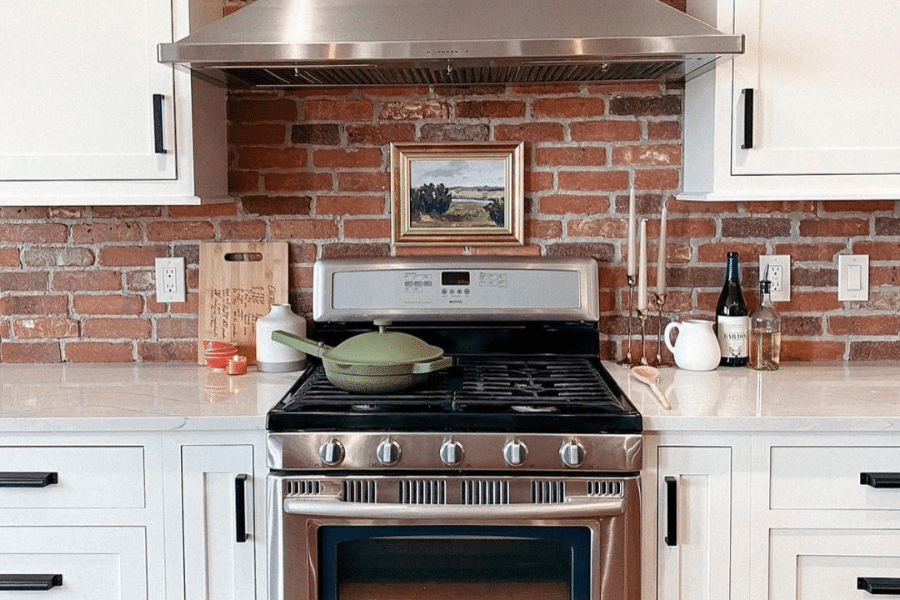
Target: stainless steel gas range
point(513, 469)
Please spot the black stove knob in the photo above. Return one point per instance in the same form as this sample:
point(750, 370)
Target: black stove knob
point(388, 452)
point(571, 453)
point(451, 453)
point(515, 453)
point(331, 452)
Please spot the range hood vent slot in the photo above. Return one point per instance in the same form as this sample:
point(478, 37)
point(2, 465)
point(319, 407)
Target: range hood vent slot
point(524, 74)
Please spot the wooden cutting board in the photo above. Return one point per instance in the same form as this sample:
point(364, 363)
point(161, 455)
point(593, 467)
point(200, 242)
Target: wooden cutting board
point(238, 283)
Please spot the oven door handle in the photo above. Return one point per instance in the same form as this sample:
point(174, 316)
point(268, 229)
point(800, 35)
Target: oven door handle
point(577, 507)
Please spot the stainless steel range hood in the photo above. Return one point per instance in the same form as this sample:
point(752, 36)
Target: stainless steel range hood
point(288, 43)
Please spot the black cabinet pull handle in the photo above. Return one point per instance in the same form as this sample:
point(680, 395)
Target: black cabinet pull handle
point(879, 585)
point(158, 123)
point(671, 538)
point(748, 119)
point(27, 479)
point(880, 480)
point(240, 509)
point(29, 582)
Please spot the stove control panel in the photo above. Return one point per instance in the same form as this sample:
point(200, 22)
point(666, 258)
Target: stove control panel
point(458, 451)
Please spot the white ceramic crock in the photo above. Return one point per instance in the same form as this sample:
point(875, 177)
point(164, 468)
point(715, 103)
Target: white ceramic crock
point(272, 357)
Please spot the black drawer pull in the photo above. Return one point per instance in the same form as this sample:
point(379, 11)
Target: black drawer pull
point(671, 538)
point(880, 480)
point(29, 582)
point(159, 146)
point(32, 479)
point(240, 509)
point(748, 119)
point(879, 585)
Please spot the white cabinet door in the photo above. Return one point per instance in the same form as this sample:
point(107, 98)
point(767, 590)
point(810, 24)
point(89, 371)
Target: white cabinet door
point(78, 85)
point(694, 523)
point(218, 525)
point(826, 80)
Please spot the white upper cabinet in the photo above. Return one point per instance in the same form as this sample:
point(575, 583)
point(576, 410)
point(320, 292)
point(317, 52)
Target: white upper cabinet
point(823, 80)
point(91, 117)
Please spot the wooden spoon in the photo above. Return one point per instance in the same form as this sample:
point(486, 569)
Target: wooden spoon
point(649, 375)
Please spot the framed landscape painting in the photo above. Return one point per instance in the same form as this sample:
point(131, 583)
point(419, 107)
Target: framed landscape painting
point(457, 194)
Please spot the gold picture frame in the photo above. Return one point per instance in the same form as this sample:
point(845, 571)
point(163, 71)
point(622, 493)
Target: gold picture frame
point(457, 194)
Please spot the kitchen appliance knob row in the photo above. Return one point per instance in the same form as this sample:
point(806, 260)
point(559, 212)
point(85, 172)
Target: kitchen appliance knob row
point(451, 453)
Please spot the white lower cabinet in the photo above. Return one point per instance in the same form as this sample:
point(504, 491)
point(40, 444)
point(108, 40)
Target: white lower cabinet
point(694, 503)
point(81, 516)
point(826, 515)
point(694, 523)
point(215, 521)
point(219, 519)
point(133, 516)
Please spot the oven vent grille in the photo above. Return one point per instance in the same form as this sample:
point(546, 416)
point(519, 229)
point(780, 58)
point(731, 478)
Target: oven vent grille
point(485, 491)
point(303, 487)
point(609, 488)
point(548, 492)
point(423, 491)
point(360, 490)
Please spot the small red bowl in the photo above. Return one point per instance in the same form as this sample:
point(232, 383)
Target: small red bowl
point(215, 346)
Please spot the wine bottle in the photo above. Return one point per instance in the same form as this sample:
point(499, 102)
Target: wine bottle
point(765, 332)
point(732, 320)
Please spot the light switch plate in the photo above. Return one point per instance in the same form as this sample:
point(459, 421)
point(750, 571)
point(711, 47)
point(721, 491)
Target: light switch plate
point(853, 277)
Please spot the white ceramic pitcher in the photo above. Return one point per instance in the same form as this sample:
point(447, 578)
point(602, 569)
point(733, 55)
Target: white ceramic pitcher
point(696, 348)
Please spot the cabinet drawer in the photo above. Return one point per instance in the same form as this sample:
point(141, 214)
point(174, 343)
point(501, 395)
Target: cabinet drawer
point(828, 477)
point(85, 477)
point(95, 563)
point(826, 565)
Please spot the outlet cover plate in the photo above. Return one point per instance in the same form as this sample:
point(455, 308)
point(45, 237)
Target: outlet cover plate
point(170, 279)
point(779, 268)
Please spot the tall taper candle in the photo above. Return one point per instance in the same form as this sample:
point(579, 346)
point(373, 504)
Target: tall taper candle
point(632, 249)
point(642, 270)
point(661, 257)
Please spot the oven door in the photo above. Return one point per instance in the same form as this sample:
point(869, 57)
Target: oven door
point(373, 539)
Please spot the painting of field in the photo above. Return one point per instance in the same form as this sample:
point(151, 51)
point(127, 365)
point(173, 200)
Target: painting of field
point(457, 193)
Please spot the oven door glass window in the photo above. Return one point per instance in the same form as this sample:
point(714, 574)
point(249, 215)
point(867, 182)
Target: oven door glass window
point(454, 563)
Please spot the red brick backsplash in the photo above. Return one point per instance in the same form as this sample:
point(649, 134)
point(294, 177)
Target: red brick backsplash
point(312, 167)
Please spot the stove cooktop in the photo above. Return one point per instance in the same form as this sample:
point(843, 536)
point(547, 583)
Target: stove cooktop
point(521, 394)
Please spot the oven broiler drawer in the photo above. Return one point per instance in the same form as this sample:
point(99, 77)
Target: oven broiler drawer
point(471, 491)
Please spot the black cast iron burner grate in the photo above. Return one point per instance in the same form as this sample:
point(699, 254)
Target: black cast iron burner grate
point(476, 394)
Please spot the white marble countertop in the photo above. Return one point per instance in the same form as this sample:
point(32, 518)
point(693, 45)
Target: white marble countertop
point(841, 397)
point(135, 397)
point(161, 397)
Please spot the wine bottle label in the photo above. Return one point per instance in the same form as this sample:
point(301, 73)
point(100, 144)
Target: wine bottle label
point(733, 334)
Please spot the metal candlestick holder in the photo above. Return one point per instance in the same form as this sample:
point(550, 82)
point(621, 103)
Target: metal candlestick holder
point(660, 301)
point(642, 317)
point(632, 282)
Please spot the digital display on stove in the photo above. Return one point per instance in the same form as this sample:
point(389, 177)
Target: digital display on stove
point(455, 278)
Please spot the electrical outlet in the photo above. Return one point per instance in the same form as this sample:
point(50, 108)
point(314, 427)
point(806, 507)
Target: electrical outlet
point(777, 268)
point(170, 279)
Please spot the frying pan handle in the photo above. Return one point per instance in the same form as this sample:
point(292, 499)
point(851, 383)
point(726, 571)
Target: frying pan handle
point(431, 366)
point(298, 343)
